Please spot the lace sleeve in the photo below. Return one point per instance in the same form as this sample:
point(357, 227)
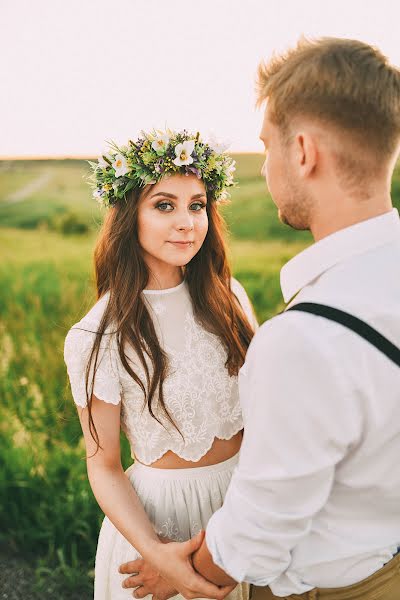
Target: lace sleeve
point(244, 301)
point(77, 350)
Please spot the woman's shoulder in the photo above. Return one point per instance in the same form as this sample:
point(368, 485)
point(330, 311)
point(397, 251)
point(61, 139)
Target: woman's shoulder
point(78, 357)
point(245, 302)
point(81, 335)
point(239, 291)
point(95, 314)
point(237, 287)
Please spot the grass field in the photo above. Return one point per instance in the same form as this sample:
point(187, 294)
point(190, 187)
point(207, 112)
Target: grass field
point(47, 510)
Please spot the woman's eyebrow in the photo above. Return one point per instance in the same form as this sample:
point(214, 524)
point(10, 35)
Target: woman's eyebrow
point(165, 194)
point(168, 195)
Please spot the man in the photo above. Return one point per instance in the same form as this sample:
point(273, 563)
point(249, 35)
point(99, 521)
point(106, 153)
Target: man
point(313, 509)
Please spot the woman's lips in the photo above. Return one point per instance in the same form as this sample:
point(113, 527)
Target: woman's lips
point(182, 245)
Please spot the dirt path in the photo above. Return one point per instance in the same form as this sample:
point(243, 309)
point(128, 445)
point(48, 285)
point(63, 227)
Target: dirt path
point(17, 578)
point(30, 188)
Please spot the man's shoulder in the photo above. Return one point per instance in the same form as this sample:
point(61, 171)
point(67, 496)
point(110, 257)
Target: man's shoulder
point(297, 336)
point(286, 330)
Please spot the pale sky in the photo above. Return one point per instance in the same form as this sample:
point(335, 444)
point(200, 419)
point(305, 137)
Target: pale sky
point(74, 73)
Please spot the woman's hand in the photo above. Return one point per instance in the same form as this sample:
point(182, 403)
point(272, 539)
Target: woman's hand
point(169, 570)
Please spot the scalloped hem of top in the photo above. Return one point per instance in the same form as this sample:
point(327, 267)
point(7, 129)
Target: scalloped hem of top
point(195, 458)
point(183, 473)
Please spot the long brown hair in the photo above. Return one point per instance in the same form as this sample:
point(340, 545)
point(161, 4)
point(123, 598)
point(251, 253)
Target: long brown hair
point(121, 270)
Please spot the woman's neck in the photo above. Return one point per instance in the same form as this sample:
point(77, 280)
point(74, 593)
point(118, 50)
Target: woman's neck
point(165, 279)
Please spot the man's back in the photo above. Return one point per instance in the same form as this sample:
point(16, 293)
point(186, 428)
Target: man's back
point(363, 505)
point(318, 477)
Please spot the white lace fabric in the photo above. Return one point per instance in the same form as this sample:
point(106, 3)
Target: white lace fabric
point(200, 395)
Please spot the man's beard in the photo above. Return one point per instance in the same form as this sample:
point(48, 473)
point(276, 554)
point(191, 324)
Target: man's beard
point(295, 210)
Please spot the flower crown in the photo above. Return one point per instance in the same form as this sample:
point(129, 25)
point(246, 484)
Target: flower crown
point(155, 155)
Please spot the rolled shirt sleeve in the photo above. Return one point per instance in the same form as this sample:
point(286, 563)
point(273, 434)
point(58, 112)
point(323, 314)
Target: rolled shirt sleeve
point(299, 423)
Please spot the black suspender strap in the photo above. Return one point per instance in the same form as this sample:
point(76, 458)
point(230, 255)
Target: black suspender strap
point(351, 322)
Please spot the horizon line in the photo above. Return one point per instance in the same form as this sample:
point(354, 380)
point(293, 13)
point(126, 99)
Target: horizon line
point(85, 156)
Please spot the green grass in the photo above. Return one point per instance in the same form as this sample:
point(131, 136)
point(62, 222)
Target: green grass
point(47, 510)
point(250, 215)
point(66, 191)
point(46, 505)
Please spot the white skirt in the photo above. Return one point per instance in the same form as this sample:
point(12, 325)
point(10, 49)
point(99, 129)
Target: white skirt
point(179, 502)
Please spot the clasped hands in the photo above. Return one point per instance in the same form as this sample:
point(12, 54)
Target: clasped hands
point(170, 571)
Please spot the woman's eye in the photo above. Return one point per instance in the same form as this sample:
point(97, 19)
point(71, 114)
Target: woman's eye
point(165, 206)
point(196, 206)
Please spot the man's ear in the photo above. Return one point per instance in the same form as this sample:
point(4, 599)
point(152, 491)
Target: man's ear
point(306, 153)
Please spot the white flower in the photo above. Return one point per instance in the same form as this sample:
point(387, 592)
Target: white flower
point(98, 195)
point(120, 166)
point(184, 153)
point(218, 146)
point(103, 164)
point(160, 143)
point(229, 173)
point(219, 165)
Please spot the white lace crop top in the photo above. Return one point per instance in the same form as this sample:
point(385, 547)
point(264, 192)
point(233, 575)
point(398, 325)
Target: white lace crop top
point(200, 395)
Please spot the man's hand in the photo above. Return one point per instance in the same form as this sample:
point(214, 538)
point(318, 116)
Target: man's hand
point(169, 570)
point(147, 580)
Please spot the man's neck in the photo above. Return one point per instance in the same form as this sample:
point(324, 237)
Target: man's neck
point(327, 222)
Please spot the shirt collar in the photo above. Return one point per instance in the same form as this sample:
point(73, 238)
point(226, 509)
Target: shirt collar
point(337, 247)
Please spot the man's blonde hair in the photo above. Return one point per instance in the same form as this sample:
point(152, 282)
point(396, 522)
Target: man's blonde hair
point(343, 83)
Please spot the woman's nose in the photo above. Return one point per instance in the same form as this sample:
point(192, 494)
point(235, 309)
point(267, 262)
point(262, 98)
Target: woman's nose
point(185, 222)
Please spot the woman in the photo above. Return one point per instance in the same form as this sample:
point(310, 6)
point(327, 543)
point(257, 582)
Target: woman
point(158, 354)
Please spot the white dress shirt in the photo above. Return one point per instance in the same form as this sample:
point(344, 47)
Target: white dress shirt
point(315, 499)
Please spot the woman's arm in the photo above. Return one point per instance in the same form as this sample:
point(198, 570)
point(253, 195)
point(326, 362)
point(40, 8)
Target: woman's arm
point(119, 501)
point(111, 487)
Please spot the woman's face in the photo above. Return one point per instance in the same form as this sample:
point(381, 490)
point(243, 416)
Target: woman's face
point(172, 222)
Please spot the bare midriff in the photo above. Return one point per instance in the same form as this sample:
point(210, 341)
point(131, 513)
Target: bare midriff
point(220, 450)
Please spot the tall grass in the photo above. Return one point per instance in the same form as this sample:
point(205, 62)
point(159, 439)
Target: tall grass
point(46, 505)
point(47, 510)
